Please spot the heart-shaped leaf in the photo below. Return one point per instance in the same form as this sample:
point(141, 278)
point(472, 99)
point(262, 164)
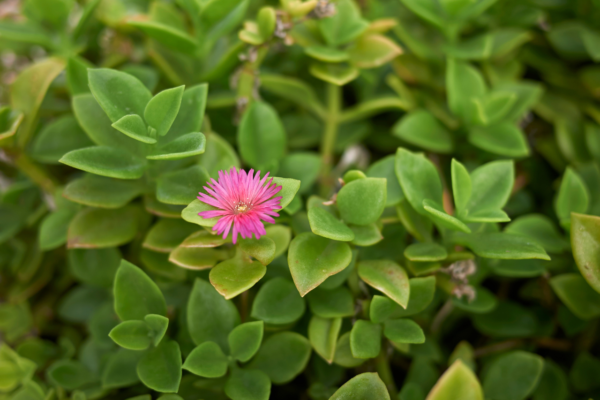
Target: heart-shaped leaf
point(324, 224)
point(207, 360)
point(312, 259)
point(388, 277)
point(236, 275)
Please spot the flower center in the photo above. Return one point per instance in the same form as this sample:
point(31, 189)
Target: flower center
point(241, 207)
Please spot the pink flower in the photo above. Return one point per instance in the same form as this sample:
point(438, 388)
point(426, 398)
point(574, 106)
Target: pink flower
point(242, 200)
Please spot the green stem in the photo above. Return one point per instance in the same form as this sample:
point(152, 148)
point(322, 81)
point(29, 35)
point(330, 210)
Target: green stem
point(385, 373)
point(35, 173)
point(329, 136)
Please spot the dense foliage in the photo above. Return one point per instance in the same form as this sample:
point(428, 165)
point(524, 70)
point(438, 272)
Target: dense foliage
point(440, 170)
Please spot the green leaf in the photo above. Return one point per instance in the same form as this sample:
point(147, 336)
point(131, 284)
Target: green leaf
point(422, 291)
point(343, 353)
point(97, 191)
point(106, 161)
point(54, 229)
point(261, 136)
point(131, 335)
point(385, 168)
point(461, 185)
point(365, 339)
point(507, 320)
point(160, 368)
point(136, 295)
point(416, 224)
point(553, 384)
point(312, 259)
point(292, 89)
point(195, 258)
point(573, 196)
point(366, 235)
point(464, 83)
point(234, 276)
point(584, 372)
point(245, 339)
point(161, 110)
point(262, 249)
point(344, 26)
point(373, 50)
point(327, 54)
point(97, 126)
point(77, 75)
point(281, 235)
point(181, 187)
point(541, 229)
point(94, 266)
point(361, 202)
point(248, 385)
point(159, 264)
point(69, 374)
point(167, 234)
point(504, 246)
point(387, 277)
point(282, 356)
point(403, 331)
point(289, 188)
point(190, 115)
point(458, 382)
point(23, 32)
point(28, 90)
point(133, 126)
point(158, 326)
point(207, 360)
point(437, 213)
point(362, 387)
point(492, 185)
point(324, 224)
point(120, 370)
point(513, 376)
point(187, 145)
point(422, 129)
point(504, 139)
point(202, 239)
point(219, 155)
point(99, 228)
point(332, 303)
point(168, 36)
point(118, 93)
point(278, 302)
point(419, 179)
point(425, 252)
point(483, 302)
point(577, 295)
point(209, 316)
point(323, 335)
point(54, 12)
point(585, 241)
point(336, 74)
point(58, 138)
point(304, 166)
point(15, 369)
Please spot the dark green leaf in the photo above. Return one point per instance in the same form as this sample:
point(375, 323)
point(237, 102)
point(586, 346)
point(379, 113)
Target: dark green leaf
point(207, 360)
point(365, 339)
point(209, 316)
point(160, 368)
point(312, 259)
point(136, 295)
